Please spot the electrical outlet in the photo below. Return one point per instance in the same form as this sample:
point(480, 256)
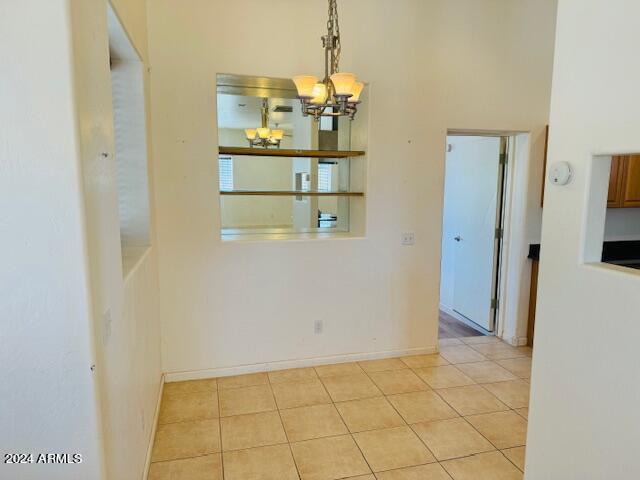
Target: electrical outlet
point(106, 326)
point(408, 238)
point(318, 327)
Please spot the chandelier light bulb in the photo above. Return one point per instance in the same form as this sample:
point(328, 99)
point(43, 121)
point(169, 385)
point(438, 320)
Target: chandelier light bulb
point(356, 91)
point(319, 93)
point(264, 133)
point(250, 133)
point(277, 134)
point(305, 85)
point(343, 83)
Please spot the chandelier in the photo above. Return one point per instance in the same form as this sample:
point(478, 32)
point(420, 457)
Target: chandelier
point(264, 136)
point(338, 94)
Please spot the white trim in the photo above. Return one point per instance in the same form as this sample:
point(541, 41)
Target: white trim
point(515, 266)
point(286, 364)
point(156, 417)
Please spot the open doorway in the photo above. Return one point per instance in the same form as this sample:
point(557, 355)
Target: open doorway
point(473, 226)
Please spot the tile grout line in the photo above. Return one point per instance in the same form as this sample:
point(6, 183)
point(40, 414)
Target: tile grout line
point(286, 435)
point(333, 403)
point(220, 430)
point(403, 419)
point(480, 433)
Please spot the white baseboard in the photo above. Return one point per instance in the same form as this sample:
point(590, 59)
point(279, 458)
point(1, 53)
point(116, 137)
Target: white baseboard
point(156, 416)
point(286, 364)
point(518, 341)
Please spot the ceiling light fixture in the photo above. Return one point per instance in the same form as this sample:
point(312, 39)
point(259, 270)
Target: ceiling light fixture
point(264, 136)
point(338, 94)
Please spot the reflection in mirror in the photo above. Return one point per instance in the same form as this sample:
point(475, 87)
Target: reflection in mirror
point(265, 194)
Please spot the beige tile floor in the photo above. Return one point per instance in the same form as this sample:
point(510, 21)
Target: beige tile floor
point(457, 415)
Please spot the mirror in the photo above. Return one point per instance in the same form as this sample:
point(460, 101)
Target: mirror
point(265, 194)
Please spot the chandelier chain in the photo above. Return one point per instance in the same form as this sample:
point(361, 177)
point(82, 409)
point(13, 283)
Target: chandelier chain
point(333, 26)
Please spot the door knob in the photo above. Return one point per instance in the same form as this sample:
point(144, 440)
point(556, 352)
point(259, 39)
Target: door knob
point(457, 239)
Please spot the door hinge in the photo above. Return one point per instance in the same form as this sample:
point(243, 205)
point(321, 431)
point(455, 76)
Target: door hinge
point(499, 233)
point(495, 303)
point(504, 159)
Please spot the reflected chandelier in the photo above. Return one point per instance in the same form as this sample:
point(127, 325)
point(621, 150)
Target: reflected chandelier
point(264, 136)
point(338, 94)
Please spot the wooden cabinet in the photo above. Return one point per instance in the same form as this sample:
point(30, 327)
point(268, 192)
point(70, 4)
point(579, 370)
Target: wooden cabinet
point(624, 182)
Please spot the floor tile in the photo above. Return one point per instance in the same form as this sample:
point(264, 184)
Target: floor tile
point(329, 458)
point(480, 340)
point(252, 430)
point(208, 467)
point(300, 394)
point(472, 400)
point(430, 360)
point(293, 375)
point(338, 369)
point(239, 381)
point(263, 463)
point(516, 456)
point(239, 401)
point(181, 407)
point(498, 351)
point(485, 466)
point(382, 365)
point(362, 477)
point(186, 439)
point(453, 438)
point(350, 387)
point(503, 429)
point(447, 342)
point(421, 407)
point(461, 354)
point(369, 414)
point(306, 423)
point(432, 471)
point(398, 381)
point(486, 372)
point(190, 386)
point(392, 448)
point(514, 393)
point(444, 377)
point(520, 367)
point(523, 412)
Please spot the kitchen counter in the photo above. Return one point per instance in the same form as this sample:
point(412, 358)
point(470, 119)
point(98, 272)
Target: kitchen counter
point(625, 253)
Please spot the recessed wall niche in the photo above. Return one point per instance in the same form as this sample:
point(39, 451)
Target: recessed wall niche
point(130, 131)
point(613, 220)
point(306, 179)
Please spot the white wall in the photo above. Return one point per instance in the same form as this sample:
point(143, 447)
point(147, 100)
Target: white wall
point(433, 66)
point(129, 345)
point(622, 224)
point(48, 394)
point(584, 422)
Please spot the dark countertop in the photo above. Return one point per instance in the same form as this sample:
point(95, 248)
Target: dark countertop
point(626, 253)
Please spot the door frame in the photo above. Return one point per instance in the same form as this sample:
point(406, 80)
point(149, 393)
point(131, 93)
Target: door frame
point(513, 273)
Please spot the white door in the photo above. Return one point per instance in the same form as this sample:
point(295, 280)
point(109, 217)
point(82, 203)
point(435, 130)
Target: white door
point(471, 197)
